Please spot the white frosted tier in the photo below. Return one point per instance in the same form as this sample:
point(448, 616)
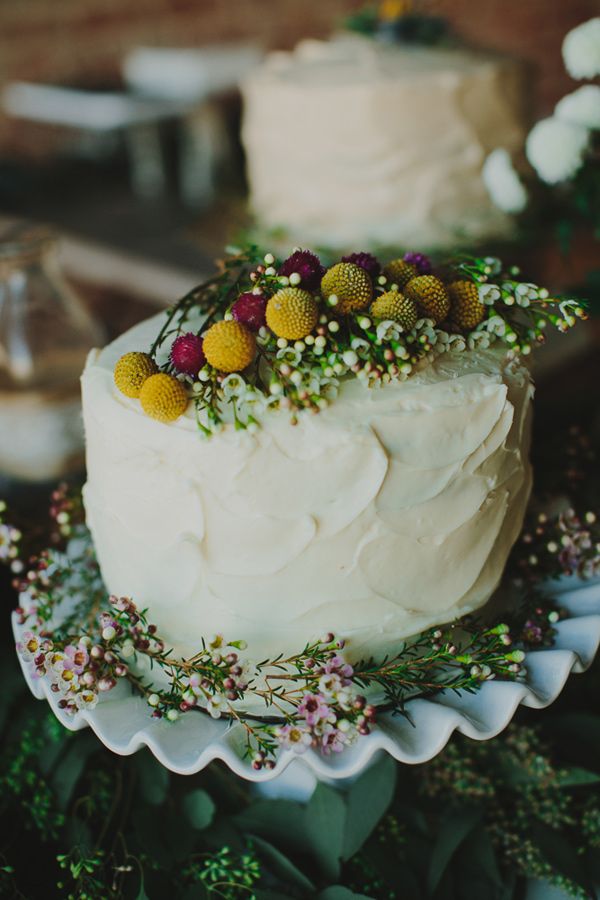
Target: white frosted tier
point(392, 510)
point(351, 143)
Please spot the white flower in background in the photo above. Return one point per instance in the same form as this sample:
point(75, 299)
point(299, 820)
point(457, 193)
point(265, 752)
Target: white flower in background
point(582, 107)
point(503, 183)
point(581, 50)
point(556, 149)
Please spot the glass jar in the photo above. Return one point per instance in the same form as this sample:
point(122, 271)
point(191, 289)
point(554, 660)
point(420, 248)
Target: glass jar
point(45, 335)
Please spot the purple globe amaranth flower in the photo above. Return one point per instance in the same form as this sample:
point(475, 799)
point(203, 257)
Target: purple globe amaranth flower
point(249, 309)
point(187, 354)
point(307, 265)
point(366, 261)
point(421, 261)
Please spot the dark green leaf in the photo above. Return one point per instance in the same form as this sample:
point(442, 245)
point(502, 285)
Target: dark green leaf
point(454, 829)
point(79, 835)
point(199, 809)
point(558, 852)
point(475, 868)
point(325, 819)
point(281, 821)
point(367, 801)
point(575, 776)
point(280, 866)
point(480, 848)
point(154, 778)
point(69, 770)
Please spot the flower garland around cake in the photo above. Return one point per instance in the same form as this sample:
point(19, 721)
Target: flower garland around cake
point(83, 645)
point(284, 335)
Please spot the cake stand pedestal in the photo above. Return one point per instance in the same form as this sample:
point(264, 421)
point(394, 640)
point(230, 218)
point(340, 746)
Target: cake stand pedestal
point(122, 722)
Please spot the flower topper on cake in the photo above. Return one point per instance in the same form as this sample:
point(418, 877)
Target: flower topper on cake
point(398, 21)
point(285, 335)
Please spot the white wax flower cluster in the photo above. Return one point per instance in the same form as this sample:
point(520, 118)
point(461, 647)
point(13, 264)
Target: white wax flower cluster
point(556, 146)
point(556, 149)
point(582, 107)
point(503, 183)
point(581, 50)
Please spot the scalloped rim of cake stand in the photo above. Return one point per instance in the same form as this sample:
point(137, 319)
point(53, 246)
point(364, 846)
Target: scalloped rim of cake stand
point(121, 721)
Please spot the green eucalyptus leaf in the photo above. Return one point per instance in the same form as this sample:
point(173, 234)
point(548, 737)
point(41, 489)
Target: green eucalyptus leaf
point(79, 834)
point(338, 892)
point(325, 820)
point(576, 776)
point(475, 867)
point(280, 866)
point(480, 848)
point(153, 778)
point(199, 809)
point(367, 800)
point(559, 853)
point(70, 769)
point(454, 829)
point(280, 821)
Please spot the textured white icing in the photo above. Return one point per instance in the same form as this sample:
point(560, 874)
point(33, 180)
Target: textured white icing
point(353, 143)
point(392, 510)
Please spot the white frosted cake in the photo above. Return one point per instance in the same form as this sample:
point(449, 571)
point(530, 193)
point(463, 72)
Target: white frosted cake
point(352, 142)
point(391, 510)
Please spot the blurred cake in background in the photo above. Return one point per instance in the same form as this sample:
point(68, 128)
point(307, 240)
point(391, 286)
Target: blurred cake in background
point(379, 138)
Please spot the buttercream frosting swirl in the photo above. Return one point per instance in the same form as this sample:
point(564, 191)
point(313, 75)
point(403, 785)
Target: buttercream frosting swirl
point(392, 510)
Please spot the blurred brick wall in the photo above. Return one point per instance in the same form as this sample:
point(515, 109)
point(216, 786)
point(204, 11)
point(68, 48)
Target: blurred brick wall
point(83, 41)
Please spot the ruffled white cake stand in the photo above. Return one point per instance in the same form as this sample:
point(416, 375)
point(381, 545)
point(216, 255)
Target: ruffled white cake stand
point(123, 723)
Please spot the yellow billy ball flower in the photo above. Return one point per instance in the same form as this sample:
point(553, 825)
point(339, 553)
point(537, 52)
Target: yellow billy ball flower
point(292, 313)
point(163, 397)
point(430, 295)
point(350, 284)
point(400, 272)
point(229, 346)
point(395, 306)
point(466, 309)
point(131, 372)
point(389, 10)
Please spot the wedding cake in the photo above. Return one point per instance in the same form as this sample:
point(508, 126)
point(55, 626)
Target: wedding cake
point(356, 142)
point(292, 451)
